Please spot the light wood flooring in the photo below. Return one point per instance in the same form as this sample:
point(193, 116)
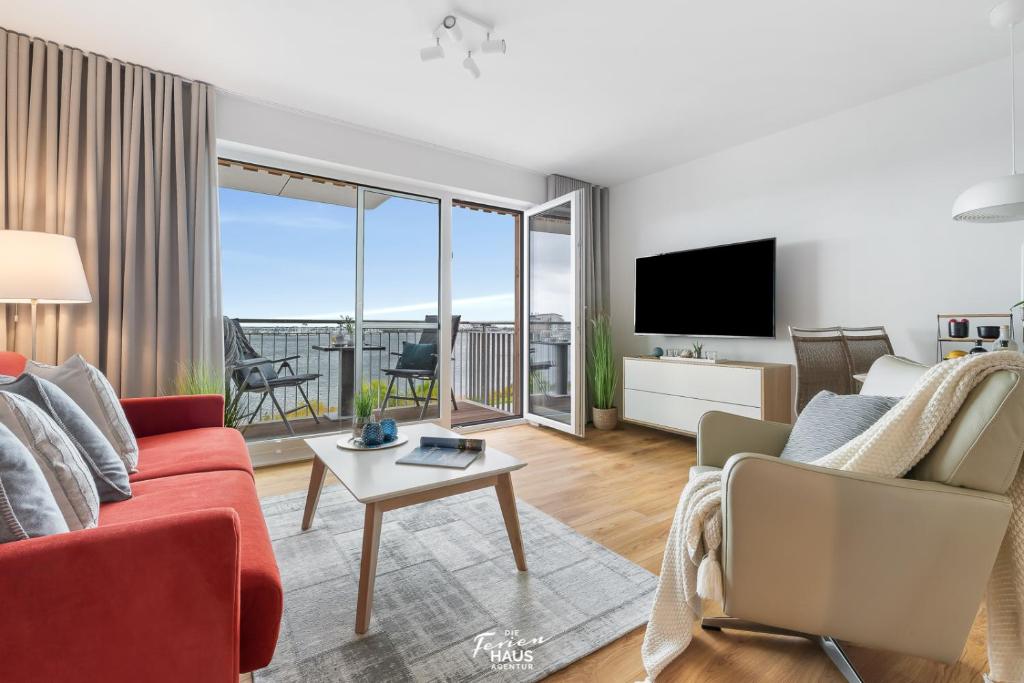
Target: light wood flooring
point(620, 488)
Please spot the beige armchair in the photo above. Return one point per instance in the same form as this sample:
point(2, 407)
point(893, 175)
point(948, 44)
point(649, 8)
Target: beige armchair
point(895, 564)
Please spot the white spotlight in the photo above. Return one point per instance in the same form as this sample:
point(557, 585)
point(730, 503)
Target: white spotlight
point(451, 26)
point(433, 52)
point(470, 65)
point(493, 47)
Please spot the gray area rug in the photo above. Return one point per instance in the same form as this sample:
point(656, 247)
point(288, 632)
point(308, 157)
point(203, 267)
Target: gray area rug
point(448, 598)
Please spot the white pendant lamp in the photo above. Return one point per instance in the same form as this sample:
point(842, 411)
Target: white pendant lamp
point(999, 200)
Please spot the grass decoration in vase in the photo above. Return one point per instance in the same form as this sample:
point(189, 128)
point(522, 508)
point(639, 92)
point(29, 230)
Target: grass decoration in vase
point(373, 432)
point(198, 379)
point(602, 373)
point(365, 402)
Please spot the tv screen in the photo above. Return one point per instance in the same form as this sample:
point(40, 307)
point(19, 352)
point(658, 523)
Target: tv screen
point(722, 291)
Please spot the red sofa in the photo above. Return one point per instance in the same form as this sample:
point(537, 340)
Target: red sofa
point(179, 583)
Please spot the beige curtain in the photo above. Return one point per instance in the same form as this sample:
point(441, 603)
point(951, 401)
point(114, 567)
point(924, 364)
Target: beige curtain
point(122, 158)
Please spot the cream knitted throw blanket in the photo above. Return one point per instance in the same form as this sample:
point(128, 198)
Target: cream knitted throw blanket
point(889, 448)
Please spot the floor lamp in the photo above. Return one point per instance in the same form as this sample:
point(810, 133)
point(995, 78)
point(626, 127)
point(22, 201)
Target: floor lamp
point(41, 268)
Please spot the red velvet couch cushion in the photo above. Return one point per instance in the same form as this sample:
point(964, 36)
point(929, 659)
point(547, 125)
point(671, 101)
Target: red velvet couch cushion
point(208, 449)
point(261, 592)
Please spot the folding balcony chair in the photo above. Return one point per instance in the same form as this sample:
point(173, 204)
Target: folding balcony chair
point(418, 363)
point(252, 373)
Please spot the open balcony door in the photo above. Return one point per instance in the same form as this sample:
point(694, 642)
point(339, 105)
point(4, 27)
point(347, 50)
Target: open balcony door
point(553, 344)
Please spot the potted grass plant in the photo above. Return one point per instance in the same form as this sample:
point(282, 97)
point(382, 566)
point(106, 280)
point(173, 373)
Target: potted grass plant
point(197, 379)
point(365, 402)
point(601, 373)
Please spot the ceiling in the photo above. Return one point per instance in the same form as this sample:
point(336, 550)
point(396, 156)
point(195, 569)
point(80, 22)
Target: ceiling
point(593, 89)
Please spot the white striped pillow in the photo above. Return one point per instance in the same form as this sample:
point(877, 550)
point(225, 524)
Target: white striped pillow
point(65, 471)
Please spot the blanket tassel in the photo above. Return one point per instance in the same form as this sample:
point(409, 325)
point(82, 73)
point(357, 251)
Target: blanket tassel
point(709, 578)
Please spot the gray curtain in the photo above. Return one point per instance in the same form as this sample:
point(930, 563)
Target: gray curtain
point(594, 219)
point(122, 158)
point(593, 216)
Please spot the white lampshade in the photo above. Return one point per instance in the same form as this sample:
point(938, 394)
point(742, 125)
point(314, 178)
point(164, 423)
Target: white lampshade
point(999, 200)
point(41, 266)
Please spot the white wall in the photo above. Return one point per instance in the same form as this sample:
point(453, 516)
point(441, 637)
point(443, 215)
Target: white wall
point(860, 203)
point(245, 122)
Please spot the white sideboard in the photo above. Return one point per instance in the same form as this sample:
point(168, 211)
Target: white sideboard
point(673, 395)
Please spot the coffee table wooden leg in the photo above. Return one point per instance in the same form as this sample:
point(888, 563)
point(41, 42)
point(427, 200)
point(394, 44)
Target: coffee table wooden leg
point(368, 565)
point(316, 483)
point(507, 500)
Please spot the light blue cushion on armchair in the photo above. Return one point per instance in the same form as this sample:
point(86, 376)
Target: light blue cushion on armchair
point(829, 421)
point(105, 465)
point(27, 506)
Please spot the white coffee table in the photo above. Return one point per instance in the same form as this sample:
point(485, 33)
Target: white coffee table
point(380, 484)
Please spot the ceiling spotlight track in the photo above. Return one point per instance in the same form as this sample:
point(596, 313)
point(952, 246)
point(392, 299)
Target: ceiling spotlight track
point(468, 33)
point(452, 28)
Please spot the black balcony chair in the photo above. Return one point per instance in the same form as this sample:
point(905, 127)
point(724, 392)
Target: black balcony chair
point(416, 363)
point(252, 373)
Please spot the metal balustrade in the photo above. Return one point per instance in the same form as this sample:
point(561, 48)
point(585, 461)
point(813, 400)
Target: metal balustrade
point(483, 360)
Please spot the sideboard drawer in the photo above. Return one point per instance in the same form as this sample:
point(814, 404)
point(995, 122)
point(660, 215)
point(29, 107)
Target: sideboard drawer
point(709, 382)
point(680, 413)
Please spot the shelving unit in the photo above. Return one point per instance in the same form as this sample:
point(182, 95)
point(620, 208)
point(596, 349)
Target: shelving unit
point(942, 338)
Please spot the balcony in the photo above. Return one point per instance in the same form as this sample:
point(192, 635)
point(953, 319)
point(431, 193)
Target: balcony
point(484, 373)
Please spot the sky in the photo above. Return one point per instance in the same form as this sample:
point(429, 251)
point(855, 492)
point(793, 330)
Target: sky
point(292, 258)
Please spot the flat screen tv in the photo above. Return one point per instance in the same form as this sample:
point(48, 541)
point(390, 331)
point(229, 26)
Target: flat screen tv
point(721, 291)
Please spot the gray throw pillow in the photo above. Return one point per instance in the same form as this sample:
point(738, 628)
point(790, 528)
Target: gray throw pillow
point(108, 471)
point(829, 421)
point(87, 387)
point(27, 507)
point(65, 471)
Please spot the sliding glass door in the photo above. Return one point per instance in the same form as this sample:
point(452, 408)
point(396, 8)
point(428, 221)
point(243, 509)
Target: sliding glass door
point(288, 263)
point(553, 342)
point(344, 282)
point(397, 285)
point(485, 276)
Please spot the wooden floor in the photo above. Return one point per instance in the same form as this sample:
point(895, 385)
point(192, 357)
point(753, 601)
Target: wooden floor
point(620, 488)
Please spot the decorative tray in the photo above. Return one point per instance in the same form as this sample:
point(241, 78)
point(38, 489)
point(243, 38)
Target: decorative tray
point(355, 443)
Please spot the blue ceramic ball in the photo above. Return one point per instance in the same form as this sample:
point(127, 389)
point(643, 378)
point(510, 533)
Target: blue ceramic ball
point(373, 435)
point(658, 352)
point(390, 429)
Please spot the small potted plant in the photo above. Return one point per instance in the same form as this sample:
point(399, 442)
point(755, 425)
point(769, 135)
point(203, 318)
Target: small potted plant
point(601, 373)
point(347, 327)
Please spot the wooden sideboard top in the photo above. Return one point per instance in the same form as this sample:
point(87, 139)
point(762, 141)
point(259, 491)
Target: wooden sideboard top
point(721, 363)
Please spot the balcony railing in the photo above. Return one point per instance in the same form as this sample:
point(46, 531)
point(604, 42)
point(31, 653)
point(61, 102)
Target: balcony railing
point(484, 361)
